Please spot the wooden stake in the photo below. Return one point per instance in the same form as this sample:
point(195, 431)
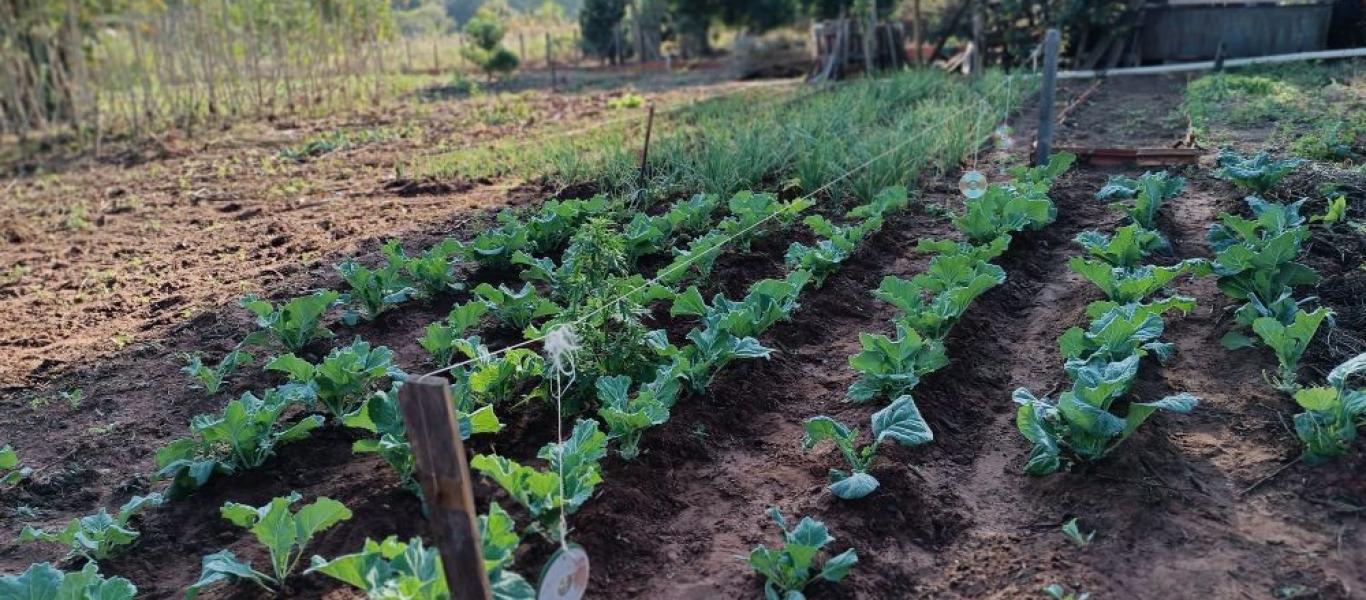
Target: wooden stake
point(645, 153)
point(1051, 41)
point(550, 59)
point(521, 47)
point(977, 42)
point(429, 417)
point(915, 32)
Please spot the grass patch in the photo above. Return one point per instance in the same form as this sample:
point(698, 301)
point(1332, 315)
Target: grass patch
point(1315, 111)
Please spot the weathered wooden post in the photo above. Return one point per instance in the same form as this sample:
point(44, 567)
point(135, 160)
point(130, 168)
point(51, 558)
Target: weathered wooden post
point(645, 152)
point(550, 59)
point(975, 65)
point(429, 417)
point(915, 32)
point(521, 47)
point(1044, 146)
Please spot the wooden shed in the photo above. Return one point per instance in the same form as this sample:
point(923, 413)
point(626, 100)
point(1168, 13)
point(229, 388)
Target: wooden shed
point(1181, 30)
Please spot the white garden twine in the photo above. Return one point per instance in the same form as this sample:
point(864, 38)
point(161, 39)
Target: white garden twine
point(560, 345)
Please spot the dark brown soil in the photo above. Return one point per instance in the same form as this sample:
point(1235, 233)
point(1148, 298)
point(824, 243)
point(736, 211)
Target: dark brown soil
point(1190, 507)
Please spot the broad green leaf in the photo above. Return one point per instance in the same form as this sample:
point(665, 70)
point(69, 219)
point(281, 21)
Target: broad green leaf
point(852, 486)
point(901, 421)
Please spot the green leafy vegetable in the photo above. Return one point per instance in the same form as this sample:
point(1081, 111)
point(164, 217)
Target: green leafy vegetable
point(1332, 413)
point(372, 291)
point(1335, 213)
point(1129, 284)
point(1127, 248)
point(838, 244)
point(892, 367)
point(1073, 532)
point(42, 581)
point(241, 438)
point(1122, 331)
point(1259, 173)
point(433, 271)
point(389, 570)
point(1079, 422)
point(211, 378)
point(788, 569)
point(1150, 191)
point(443, 339)
point(517, 309)
point(494, 248)
point(344, 378)
point(95, 537)
point(540, 491)
point(1289, 341)
point(380, 415)
point(283, 532)
point(496, 380)
point(899, 421)
point(393, 569)
point(932, 302)
point(292, 325)
point(10, 471)
point(626, 416)
point(1002, 210)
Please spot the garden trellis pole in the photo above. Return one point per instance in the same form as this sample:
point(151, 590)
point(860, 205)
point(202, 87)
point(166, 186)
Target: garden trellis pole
point(429, 417)
point(645, 151)
point(550, 60)
point(1044, 146)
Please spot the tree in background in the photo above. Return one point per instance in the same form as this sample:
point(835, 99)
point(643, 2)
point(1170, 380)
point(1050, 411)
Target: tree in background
point(599, 21)
point(418, 18)
point(486, 30)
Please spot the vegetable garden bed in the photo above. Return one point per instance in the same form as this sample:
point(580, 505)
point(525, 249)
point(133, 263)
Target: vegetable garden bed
point(1181, 498)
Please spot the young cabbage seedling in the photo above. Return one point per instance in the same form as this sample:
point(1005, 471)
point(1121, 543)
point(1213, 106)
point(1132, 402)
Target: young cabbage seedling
point(1150, 191)
point(344, 377)
point(95, 537)
point(1126, 248)
point(789, 569)
point(1259, 173)
point(283, 532)
point(1289, 342)
point(42, 581)
point(372, 291)
point(1079, 422)
point(900, 421)
point(627, 417)
point(1332, 413)
point(242, 437)
point(1129, 284)
point(1058, 592)
point(382, 568)
point(10, 471)
point(294, 324)
point(892, 367)
point(380, 415)
point(211, 378)
point(578, 458)
point(432, 271)
point(1073, 532)
point(515, 308)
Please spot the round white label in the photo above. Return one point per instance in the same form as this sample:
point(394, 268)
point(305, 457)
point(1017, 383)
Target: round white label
point(565, 576)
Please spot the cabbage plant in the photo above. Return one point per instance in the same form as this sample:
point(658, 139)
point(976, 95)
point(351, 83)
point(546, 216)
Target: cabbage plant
point(899, 422)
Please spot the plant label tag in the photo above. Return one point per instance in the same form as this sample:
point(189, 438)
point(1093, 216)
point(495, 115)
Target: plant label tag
point(565, 575)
